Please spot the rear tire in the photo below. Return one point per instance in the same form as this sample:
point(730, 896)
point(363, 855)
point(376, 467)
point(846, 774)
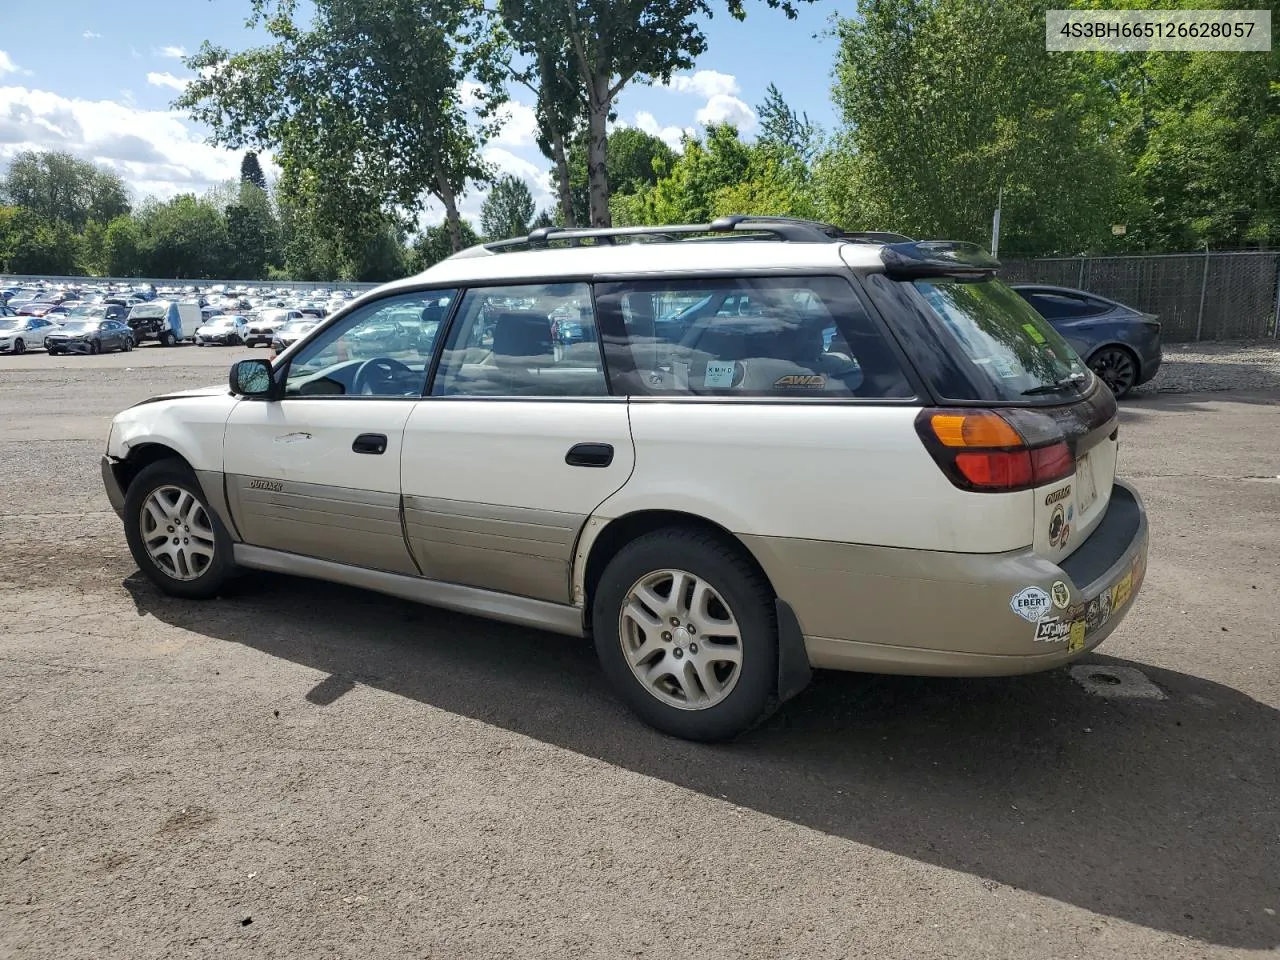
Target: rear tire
point(1118, 368)
point(686, 632)
point(175, 537)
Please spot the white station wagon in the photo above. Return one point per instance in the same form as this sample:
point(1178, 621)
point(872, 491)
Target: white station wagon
point(728, 453)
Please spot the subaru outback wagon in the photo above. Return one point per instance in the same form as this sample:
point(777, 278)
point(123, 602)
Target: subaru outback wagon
point(729, 453)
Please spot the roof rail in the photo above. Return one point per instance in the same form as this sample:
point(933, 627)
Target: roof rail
point(789, 229)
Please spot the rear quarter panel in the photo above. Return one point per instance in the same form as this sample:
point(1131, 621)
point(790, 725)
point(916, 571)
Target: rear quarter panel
point(837, 472)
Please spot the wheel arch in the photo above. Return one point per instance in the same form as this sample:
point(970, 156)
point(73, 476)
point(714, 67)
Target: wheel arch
point(601, 540)
point(142, 456)
point(1117, 345)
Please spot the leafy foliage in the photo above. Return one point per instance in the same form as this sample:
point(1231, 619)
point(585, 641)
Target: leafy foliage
point(508, 209)
point(57, 187)
point(362, 105)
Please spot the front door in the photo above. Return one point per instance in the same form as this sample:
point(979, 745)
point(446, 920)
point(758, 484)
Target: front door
point(318, 472)
point(517, 445)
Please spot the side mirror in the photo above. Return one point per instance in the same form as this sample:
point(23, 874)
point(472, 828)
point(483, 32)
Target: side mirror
point(252, 378)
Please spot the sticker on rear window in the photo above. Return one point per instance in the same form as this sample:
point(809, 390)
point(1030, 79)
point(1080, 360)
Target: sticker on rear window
point(1033, 333)
point(719, 374)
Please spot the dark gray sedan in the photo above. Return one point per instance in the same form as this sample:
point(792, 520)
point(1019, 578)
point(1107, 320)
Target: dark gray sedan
point(1120, 344)
point(90, 336)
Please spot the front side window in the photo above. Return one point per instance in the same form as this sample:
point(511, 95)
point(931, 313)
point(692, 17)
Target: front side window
point(536, 340)
point(749, 337)
point(382, 349)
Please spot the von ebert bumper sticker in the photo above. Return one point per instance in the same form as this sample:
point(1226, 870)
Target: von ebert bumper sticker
point(1076, 625)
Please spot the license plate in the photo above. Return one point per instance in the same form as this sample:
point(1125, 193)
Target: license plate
point(1086, 489)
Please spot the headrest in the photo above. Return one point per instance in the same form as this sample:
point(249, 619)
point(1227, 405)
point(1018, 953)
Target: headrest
point(522, 339)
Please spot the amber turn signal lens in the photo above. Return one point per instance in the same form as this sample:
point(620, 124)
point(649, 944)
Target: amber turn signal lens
point(980, 429)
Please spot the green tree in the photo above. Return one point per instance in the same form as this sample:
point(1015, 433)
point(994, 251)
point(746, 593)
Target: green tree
point(637, 160)
point(946, 102)
point(55, 186)
point(545, 218)
point(721, 175)
point(93, 249)
point(609, 45)
point(123, 248)
point(434, 245)
point(251, 170)
point(247, 243)
point(507, 210)
point(40, 246)
point(789, 133)
point(185, 238)
point(362, 105)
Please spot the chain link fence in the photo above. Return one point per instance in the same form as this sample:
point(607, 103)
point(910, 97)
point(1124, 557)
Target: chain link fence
point(1198, 296)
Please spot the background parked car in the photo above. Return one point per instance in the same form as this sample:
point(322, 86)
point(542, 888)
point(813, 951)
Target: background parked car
point(289, 334)
point(163, 320)
point(262, 328)
point(18, 334)
point(228, 331)
point(1119, 343)
point(90, 336)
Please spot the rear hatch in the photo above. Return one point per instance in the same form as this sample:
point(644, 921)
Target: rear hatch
point(982, 351)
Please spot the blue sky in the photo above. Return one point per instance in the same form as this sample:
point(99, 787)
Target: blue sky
point(97, 78)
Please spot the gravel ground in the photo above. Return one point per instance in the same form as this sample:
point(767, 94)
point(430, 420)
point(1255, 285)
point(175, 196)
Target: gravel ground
point(1211, 367)
point(299, 770)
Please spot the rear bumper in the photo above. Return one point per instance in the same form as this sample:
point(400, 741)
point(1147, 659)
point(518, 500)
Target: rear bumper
point(1151, 356)
point(888, 610)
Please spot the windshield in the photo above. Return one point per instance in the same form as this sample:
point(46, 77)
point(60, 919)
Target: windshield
point(82, 326)
point(11, 323)
point(994, 346)
point(218, 322)
point(147, 311)
point(80, 313)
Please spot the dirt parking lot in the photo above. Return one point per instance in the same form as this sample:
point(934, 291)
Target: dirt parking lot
point(304, 770)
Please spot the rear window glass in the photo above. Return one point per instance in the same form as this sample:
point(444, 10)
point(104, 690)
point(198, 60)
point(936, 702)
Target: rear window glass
point(785, 336)
point(986, 342)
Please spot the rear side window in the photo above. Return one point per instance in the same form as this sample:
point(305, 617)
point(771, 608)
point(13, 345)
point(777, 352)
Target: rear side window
point(1061, 306)
point(762, 337)
point(537, 340)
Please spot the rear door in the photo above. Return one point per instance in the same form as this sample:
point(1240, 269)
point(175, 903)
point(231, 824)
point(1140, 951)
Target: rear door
point(517, 445)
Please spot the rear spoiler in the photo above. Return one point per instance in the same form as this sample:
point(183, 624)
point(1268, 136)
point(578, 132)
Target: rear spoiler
point(938, 258)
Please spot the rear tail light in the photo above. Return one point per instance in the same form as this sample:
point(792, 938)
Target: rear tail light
point(995, 452)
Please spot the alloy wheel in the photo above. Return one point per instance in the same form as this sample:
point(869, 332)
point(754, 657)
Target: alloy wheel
point(1116, 368)
point(177, 532)
point(680, 639)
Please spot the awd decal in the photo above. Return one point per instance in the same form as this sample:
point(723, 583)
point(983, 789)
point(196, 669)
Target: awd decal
point(795, 381)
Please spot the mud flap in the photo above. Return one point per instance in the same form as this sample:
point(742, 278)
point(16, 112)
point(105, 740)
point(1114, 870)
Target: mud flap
point(794, 671)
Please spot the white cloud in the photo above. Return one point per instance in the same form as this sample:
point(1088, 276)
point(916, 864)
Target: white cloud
point(705, 83)
point(90, 35)
point(173, 53)
point(519, 124)
point(154, 151)
point(167, 80)
point(8, 66)
point(723, 108)
point(672, 136)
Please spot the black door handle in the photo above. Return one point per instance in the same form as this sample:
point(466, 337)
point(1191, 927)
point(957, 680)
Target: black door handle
point(589, 455)
point(370, 443)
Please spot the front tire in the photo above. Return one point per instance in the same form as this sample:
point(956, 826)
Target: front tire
point(19, 346)
point(95, 347)
point(175, 538)
point(686, 632)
